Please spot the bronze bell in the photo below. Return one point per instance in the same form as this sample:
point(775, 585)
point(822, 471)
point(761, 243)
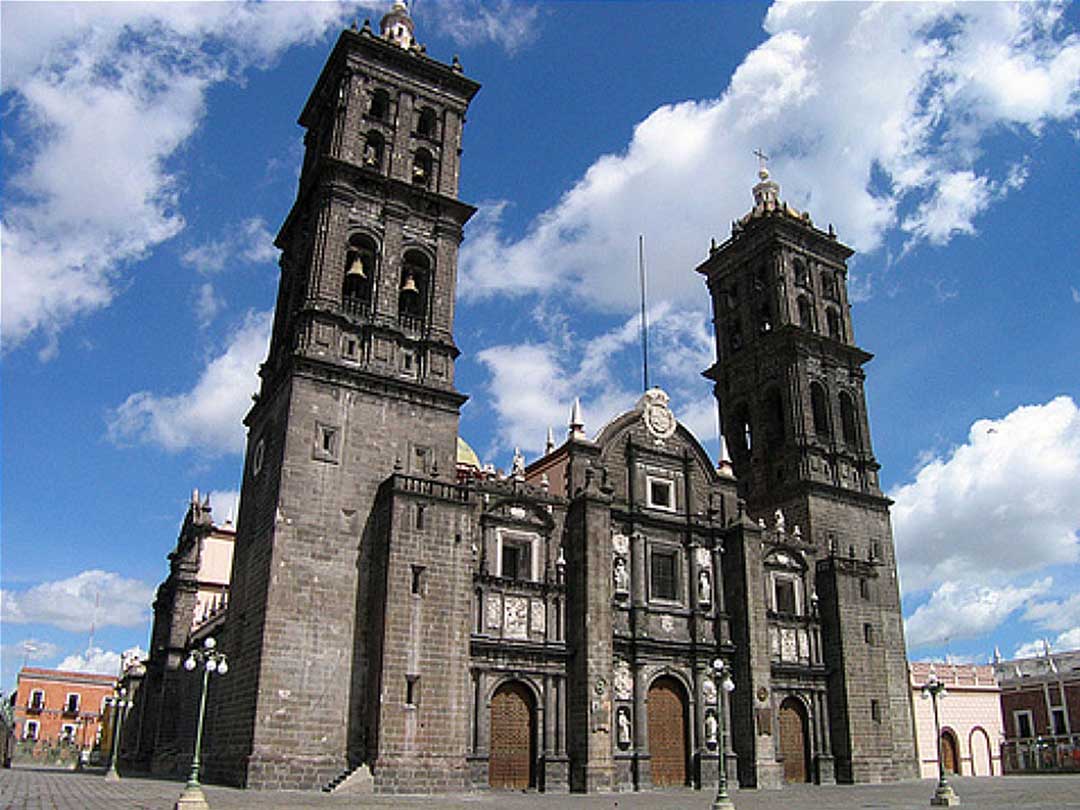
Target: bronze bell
point(356, 268)
point(409, 286)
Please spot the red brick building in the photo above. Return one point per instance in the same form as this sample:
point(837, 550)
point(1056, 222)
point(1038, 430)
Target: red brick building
point(1040, 707)
point(53, 706)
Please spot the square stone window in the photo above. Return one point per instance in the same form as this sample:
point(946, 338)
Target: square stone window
point(518, 556)
point(660, 493)
point(664, 574)
point(327, 443)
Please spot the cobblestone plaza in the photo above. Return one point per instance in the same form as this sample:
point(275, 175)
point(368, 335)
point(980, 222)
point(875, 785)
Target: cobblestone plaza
point(53, 789)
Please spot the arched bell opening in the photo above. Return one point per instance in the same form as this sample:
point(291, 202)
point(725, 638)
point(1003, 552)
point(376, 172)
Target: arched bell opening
point(413, 289)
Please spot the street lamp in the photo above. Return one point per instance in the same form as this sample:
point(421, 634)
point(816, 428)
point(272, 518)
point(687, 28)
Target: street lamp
point(212, 660)
point(120, 704)
point(943, 794)
point(723, 674)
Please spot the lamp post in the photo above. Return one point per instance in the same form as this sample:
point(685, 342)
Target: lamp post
point(723, 675)
point(119, 704)
point(943, 796)
point(212, 660)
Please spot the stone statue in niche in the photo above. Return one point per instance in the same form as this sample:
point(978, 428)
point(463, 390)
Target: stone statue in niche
point(704, 587)
point(781, 522)
point(623, 720)
point(620, 544)
point(623, 681)
point(708, 690)
point(712, 728)
point(622, 576)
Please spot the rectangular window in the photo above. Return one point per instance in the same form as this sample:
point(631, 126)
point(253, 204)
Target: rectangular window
point(418, 580)
point(660, 494)
point(785, 595)
point(327, 442)
point(72, 704)
point(868, 633)
point(31, 730)
point(420, 516)
point(663, 575)
point(67, 733)
point(864, 588)
point(37, 700)
point(412, 689)
point(1024, 726)
point(875, 711)
point(1059, 722)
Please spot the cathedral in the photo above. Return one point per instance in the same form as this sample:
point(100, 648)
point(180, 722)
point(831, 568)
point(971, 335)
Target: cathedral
point(397, 613)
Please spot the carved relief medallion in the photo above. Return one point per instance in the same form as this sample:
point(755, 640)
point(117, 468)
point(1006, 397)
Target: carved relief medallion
point(516, 617)
point(494, 611)
point(708, 690)
point(537, 617)
point(658, 418)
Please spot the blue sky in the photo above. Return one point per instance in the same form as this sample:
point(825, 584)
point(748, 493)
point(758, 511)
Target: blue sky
point(151, 151)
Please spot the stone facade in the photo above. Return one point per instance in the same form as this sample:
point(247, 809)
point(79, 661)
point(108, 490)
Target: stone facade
point(442, 628)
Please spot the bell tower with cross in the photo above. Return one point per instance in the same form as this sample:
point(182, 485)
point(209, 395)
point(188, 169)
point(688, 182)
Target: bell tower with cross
point(789, 385)
point(358, 385)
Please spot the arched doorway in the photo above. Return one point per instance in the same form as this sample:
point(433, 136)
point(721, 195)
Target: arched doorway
point(513, 738)
point(667, 732)
point(794, 740)
point(950, 752)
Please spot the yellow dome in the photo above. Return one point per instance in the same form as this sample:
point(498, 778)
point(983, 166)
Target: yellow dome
point(466, 455)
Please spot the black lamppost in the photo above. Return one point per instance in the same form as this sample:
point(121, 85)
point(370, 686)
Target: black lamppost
point(723, 675)
point(212, 661)
point(119, 704)
point(943, 793)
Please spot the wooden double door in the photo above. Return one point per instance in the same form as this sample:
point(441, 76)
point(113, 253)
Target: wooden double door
point(668, 728)
point(794, 740)
point(512, 761)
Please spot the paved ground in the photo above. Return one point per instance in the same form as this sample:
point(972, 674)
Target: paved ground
point(49, 789)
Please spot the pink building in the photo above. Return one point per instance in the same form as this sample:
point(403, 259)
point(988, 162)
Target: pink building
point(970, 717)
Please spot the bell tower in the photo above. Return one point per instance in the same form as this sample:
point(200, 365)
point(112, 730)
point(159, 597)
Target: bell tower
point(358, 384)
point(789, 385)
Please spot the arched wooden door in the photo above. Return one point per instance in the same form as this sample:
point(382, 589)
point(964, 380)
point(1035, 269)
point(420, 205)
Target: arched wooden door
point(513, 734)
point(667, 732)
point(950, 754)
point(794, 740)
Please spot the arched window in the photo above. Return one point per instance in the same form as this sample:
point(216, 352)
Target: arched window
point(828, 285)
point(806, 314)
point(413, 290)
point(360, 263)
point(374, 148)
point(765, 318)
point(425, 125)
point(820, 408)
point(380, 105)
point(836, 324)
point(848, 424)
point(774, 418)
point(421, 167)
point(741, 438)
point(802, 275)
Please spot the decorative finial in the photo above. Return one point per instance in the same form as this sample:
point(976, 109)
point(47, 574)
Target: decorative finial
point(455, 64)
point(763, 170)
point(397, 26)
point(549, 445)
point(577, 423)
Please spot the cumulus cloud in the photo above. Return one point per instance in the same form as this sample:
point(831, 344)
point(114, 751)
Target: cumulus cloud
point(511, 25)
point(225, 505)
point(532, 385)
point(903, 156)
point(93, 597)
point(209, 416)
point(247, 242)
point(95, 659)
point(1001, 504)
point(958, 611)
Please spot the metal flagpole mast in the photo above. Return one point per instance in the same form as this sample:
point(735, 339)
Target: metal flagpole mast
point(644, 317)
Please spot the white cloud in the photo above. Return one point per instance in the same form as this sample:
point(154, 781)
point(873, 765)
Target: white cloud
point(249, 242)
point(225, 505)
point(1055, 615)
point(1001, 504)
point(208, 304)
point(532, 385)
point(1065, 642)
point(902, 155)
point(958, 611)
point(209, 416)
point(1075, 295)
point(511, 25)
point(93, 597)
point(95, 659)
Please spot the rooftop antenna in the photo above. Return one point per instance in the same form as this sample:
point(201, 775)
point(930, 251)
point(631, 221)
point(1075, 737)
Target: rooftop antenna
point(644, 317)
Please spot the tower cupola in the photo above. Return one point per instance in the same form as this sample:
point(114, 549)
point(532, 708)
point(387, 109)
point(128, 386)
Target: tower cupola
point(397, 26)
